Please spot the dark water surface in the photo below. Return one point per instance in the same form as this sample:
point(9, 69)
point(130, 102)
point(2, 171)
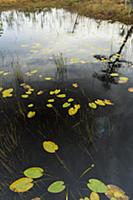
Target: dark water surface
point(62, 49)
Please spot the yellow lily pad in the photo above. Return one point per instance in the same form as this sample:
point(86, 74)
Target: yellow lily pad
point(48, 78)
point(22, 185)
point(40, 92)
point(72, 111)
point(114, 74)
point(34, 71)
point(108, 102)
point(56, 91)
point(24, 96)
point(130, 89)
point(51, 100)
point(116, 192)
point(100, 102)
point(123, 80)
point(70, 100)
point(49, 105)
point(61, 95)
point(28, 92)
point(77, 106)
point(92, 105)
point(94, 196)
point(75, 85)
point(66, 105)
point(31, 114)
point(50, 146)
point(30, 105)
point(7, 92)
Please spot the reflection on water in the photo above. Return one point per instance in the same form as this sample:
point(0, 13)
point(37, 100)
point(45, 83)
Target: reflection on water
point(51, 49)
point(38, 35)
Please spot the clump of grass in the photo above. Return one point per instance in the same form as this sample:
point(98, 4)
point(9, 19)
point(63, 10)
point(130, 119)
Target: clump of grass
point(61, 67)
point(8, 144)
point(17, 72)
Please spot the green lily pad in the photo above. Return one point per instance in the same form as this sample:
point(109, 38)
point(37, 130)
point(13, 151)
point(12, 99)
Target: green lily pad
point(56, 187)
point(34, 172)
point(96, 185)
point(70, 100)
point(66, 105)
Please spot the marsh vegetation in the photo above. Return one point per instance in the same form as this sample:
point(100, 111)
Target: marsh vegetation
point(65, 106)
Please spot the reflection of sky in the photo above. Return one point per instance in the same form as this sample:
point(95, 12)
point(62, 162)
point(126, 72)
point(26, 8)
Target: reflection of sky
point(53, 31)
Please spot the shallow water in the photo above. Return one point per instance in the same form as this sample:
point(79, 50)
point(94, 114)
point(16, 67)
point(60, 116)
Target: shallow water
point(45, 41)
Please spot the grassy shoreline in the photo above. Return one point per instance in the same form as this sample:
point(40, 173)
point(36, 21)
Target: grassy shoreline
point(114, 10)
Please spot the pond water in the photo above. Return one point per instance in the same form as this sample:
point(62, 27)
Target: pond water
point(87, 60)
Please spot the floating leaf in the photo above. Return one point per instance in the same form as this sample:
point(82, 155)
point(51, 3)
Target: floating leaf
point(72, 111)
point(94, 196)
point(31, 114)
point(108, 102)
point(48, 78)
point(77, 106)
point(70, 100)
point(92, 105)
point(40, 92)
point(34, 172)
point(34, 71)
point(22, 84)
point(1, 72)
point(57, 91)
point(66, 105)
point(61, 95)
point(30, 105)
point(50, 146)
point(27, 87)
point(114, 74)
point(6, 73)
point(130, 89)
point(52, 92)
point(29, 92)
point(75, 85)
point(116, 192)
point(31, 89)
point(100, 102)
point(96, 185)
point(7, 92)
point(24, 96)
point(123, 80)
point(51, 100)
point(22, 185)
point(56, 187)
point(49, 105)
point(85, 198)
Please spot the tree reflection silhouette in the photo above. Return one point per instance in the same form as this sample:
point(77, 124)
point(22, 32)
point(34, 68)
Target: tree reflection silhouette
point(114, 62)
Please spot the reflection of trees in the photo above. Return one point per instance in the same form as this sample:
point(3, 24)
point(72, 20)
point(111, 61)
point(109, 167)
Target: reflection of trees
point(17, 17)
point(114, 62)
point(1, 27)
